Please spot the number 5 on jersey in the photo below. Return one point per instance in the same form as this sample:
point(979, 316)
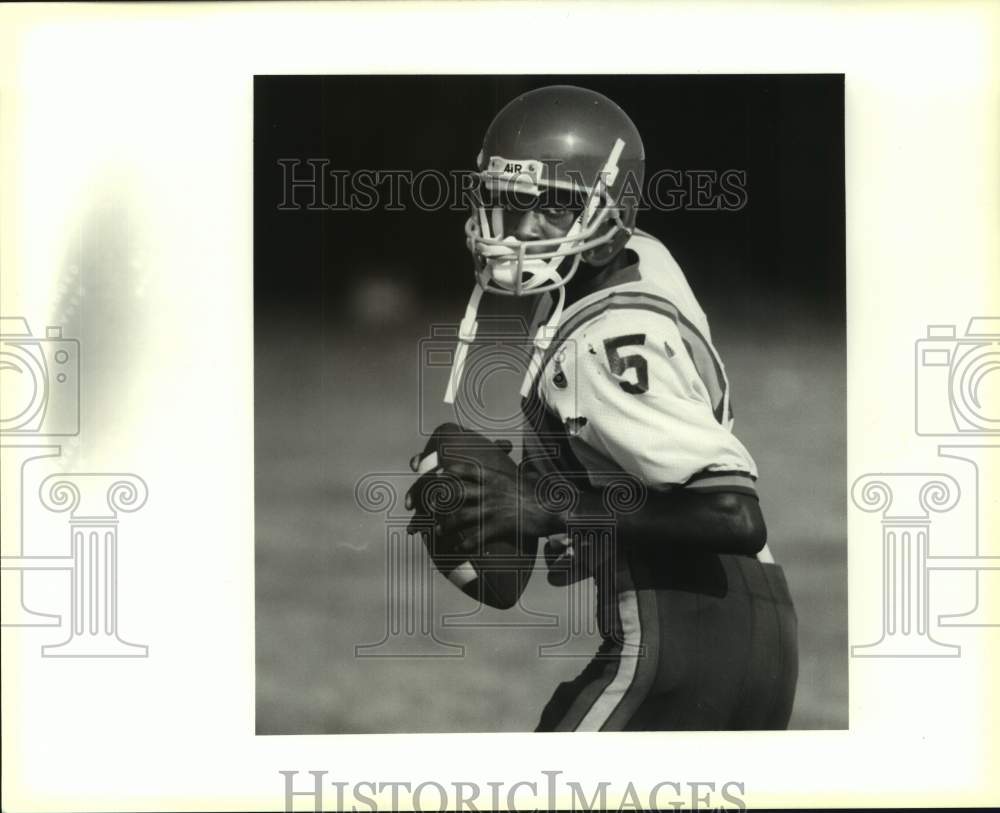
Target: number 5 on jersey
point(620, 364)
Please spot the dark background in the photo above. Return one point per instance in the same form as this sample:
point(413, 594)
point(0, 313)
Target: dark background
point(786, 132)
point(342, 299)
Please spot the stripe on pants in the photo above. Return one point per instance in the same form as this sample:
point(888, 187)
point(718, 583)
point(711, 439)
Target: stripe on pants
point(628, 664)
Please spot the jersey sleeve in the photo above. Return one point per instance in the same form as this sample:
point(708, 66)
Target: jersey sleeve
point(655, 399)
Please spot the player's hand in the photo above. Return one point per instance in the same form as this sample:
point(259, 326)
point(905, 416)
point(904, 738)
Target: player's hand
point(501, 500)
point(489, 564)
point(472, 490)
point(438, 492)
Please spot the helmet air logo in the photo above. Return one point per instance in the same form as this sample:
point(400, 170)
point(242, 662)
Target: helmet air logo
point(517, 171)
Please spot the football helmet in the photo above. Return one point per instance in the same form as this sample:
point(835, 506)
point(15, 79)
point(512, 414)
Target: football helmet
point(559, 145)
point(564, 144)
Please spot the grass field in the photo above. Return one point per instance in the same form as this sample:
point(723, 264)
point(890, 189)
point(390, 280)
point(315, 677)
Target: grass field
point(332, 408)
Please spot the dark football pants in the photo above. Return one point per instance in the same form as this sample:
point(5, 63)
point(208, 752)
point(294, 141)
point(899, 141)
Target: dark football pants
point(697, 643)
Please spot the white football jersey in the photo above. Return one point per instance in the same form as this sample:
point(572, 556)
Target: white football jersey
point(631, 382)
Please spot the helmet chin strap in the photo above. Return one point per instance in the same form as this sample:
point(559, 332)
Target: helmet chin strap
point(469, 326)
point(466, 336)
point(543, 338)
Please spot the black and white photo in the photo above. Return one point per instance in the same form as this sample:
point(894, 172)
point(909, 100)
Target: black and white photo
point(577, 499)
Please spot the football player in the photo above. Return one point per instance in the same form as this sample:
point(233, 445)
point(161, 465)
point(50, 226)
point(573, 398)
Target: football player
point(698, 627)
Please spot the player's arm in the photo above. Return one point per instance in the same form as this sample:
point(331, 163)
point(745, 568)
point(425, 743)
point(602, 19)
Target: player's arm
point(657, 405)
point(721, 522)
point(654, 404)
point(717, 521)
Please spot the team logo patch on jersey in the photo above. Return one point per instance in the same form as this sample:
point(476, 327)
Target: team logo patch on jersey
point(559, 378)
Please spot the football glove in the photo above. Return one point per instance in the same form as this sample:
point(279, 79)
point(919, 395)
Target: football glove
point(491, 570)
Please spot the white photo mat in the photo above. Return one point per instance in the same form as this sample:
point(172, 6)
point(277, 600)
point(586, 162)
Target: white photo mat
point(147, 111)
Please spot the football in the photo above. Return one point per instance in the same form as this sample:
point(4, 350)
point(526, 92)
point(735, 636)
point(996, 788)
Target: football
point(491, 570)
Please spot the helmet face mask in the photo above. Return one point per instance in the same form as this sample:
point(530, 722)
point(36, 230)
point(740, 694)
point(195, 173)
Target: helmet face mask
point(508, 265)
point(558, 146)
point(558, 143)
